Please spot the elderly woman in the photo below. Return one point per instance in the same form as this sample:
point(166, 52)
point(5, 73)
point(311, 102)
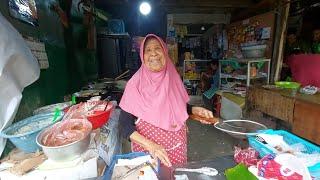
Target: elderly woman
point(154, 106)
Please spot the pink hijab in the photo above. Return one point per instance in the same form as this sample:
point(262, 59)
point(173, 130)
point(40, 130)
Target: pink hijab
point(158, 98)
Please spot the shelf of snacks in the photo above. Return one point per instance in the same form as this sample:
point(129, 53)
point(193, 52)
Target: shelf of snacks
point(244, 71)
point(192, 69)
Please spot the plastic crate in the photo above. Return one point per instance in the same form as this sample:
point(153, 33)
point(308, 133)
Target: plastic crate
point(290, 139)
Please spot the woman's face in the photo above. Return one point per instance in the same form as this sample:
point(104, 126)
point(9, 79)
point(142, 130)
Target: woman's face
point(153, 56)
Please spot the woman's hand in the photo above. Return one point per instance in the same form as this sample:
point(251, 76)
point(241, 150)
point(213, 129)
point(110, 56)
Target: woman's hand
point(202, 112)
point(158, 152)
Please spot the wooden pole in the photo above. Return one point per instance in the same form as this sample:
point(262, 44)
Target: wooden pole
point(280, 40)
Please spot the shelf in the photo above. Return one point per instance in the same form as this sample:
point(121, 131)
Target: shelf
point(241, 77)
point(193, 71)
point(246, 60)
point(197, 35)
point(115, 36)
point(197, 79)
point(197, 60)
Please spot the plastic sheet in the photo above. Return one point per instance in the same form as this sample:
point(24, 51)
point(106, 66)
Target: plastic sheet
point(110, 143)
point(18, 69)
point(24, 10)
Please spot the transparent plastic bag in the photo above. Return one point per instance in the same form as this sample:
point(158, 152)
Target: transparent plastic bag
point(24, 10)
point(110, 142)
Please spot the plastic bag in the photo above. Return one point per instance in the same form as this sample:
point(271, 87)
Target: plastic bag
point(110, 142)
point(282, 167)
point(247, 156)
point(18, 69)
point(24, 10)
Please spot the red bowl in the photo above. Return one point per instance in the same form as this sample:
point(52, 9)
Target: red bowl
point(99, 118)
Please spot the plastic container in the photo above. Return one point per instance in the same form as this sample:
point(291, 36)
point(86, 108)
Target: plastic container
point(290, 139)
point(99, 118)
point(288, 85)
point(65, 152)
point(26, 140)
point(256, 51)
point(293, 86)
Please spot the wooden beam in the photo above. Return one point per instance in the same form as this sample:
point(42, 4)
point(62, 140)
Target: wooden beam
point(279, 42)
point(112, 2)
point(208, 3)
point(197, 10)
point(251, 10)
point(189, 18)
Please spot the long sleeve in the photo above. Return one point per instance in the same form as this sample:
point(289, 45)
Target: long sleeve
point(189, 108)
point(126, 124)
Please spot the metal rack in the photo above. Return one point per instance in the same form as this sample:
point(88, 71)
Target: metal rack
point(246, 77)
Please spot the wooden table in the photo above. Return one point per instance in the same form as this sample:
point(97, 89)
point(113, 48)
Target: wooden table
point(301, 111)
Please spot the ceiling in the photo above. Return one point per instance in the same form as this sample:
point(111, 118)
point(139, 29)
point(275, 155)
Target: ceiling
point(204, 6)
point(186, 11)
point(187, 6)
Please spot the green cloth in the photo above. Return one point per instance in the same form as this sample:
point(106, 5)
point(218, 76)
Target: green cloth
point(236, 65)
point(260, 64)
point(210, 92)
point(239, 172)
point(233, 63)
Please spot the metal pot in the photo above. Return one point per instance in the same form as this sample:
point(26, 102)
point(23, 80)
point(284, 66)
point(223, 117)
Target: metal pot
point(83, 96)
point(107, 80)
point(66, 152)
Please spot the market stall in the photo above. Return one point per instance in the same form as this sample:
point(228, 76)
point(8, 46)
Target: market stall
point(182, 113)
point(76, 137)
point(299, 110)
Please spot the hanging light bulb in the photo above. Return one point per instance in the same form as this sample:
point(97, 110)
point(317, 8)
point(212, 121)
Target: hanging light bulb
point(145, 8)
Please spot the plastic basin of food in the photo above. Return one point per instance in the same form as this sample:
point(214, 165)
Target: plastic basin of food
point(288, 85)
point(23, 133)
point(65, 152)
point(99, 118)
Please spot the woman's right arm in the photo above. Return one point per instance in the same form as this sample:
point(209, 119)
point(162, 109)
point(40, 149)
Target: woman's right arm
point(156, 150)
point(128, 131)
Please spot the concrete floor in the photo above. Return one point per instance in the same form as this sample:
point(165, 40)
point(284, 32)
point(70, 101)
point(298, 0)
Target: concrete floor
point(206, 142)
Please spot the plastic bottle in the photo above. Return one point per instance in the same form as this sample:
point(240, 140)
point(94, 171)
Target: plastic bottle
point(253, 71)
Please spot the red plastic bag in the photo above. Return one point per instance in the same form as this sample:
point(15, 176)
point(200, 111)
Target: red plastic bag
point(248, 157)
point(269, 168)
